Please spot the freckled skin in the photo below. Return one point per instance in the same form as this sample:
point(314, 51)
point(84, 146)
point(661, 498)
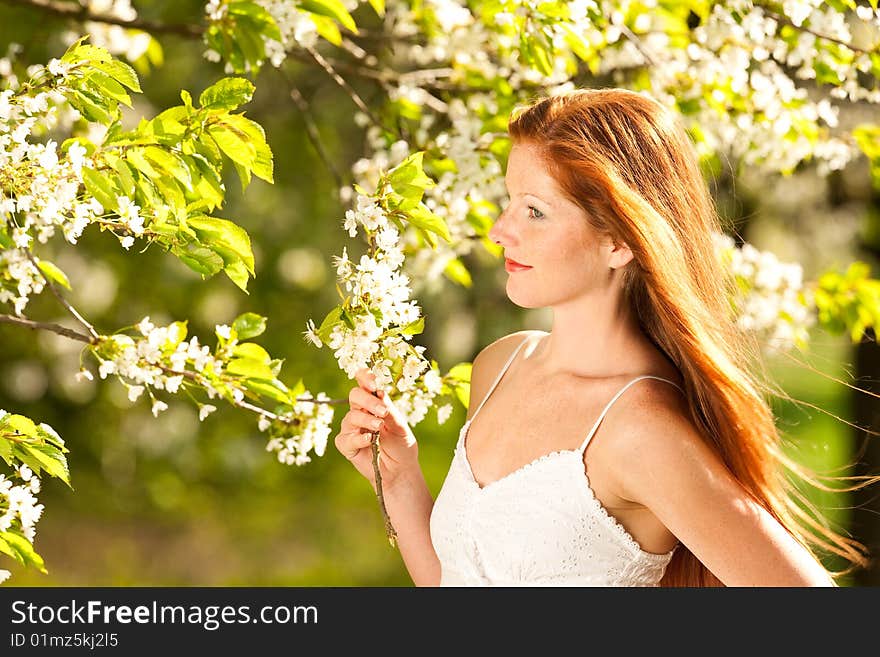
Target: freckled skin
point(556, 241)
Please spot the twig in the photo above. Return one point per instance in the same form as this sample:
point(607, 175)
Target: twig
point(390, 532)
point(801, 28)
point(83, 14)
point(312, 131)
point(323, 63)
point(629, 34)
point(46, 326)
point(73, 311)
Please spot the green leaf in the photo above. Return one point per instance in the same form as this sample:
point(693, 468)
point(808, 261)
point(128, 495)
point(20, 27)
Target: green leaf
point(410, 172)
point(86, 53)
point(327, 28)
point(91, 109)
point(423, 218)
point(99, 186)
point(274, 390)
point(330, 320)
point(228, 94)
point(168, 126)
point(463, 393)
point(461, 371)
point(237, 273)
point(332, 8)
point(50, 459)
point(414, 328)
point(457, 272)
point(244, 175)
point(6, 450)
point(82, 141)
point(121, 72)
point(579, 46)
point(23, 549)
point(171, 192)
point(103, 84)
point(249, 325)
point(244, 142)
point(136, 157)
point(257, 17)
point(297, 390)
point(125, 177)
point(50, 436)
point(54, 273)
point(19, 424)
point(170, 163)
point(6, 548)
point(251, 368)
point(251, 350)
point(224, 233)
point(200, 259)
point(206, 181)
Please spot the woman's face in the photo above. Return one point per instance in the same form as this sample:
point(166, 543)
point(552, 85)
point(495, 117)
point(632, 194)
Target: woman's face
point(544, 230)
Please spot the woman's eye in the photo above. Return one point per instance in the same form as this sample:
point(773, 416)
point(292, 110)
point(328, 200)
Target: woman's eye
point(535, 213)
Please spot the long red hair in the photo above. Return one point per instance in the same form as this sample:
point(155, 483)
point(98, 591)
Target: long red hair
point(627, 161)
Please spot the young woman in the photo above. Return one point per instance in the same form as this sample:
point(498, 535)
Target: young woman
point(631, 445)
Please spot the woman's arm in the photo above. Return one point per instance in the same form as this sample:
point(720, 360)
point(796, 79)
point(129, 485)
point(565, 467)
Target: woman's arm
point(409, 504)
point(674, 473)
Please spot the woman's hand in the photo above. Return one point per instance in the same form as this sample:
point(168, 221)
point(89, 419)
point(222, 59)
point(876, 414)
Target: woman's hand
point(370, 412)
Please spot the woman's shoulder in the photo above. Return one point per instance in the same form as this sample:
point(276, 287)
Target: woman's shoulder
point(496, 353)
point(488, 362)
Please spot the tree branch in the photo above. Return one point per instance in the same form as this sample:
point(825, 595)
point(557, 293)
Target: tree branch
point(631, 36)
point(787, 21)
point(46, 326)
point(73, 311)
point(362, 106)
point(82, 14)
point(312, 129)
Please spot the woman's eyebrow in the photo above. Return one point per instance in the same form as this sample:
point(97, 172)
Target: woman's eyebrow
point(547, 203)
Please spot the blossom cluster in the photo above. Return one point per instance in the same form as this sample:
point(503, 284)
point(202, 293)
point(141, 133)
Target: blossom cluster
point(19, 509)
point(772, 300)
point(296, 27)
point(19, 279)
point(158, 361)
point(41, 185)
point(116, 39)
point(477, 178)
point(380, 305)
point(736, 69)
point(18, 504)
point(300, 431)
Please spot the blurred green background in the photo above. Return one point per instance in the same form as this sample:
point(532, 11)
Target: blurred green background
point(170, 501)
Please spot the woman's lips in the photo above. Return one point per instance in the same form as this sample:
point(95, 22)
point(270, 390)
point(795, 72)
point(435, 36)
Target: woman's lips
point(513, 266)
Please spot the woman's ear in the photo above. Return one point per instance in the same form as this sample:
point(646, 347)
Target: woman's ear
point(619, 255)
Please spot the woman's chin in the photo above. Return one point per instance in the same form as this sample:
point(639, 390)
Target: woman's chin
point(525, 300)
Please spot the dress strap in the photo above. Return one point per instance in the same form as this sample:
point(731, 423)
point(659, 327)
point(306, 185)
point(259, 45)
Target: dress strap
point(614, 399)
point(500, 375)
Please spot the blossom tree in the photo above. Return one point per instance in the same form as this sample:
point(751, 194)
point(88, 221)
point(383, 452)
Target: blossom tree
point(761, 84)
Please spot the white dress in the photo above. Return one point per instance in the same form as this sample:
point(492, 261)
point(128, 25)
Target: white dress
point(540, 525)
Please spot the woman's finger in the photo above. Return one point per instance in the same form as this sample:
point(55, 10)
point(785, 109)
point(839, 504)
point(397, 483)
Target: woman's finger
point(364, 420)
point(360, 399)
point(350, 443)
point(366, 378)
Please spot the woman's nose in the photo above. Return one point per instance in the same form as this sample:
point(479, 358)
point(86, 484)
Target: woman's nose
point(499, 232)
